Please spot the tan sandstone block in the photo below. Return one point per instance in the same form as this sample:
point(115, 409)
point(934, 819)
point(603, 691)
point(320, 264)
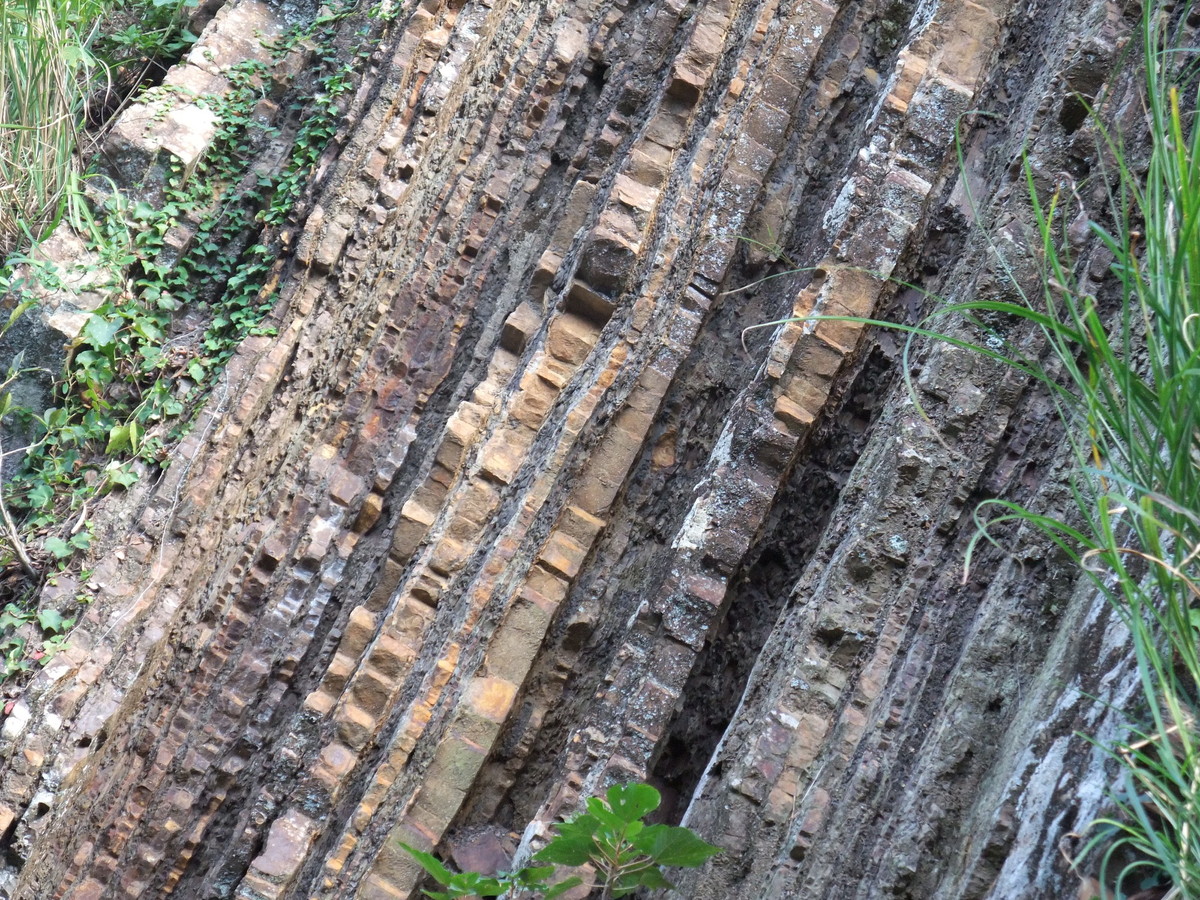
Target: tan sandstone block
point(333, 764)
point(288, 841)
point(792, 414)
point(355, 726)
point(491, 698)
point(563, 555)
point(504, 453)
point(571, 338)
point(516, 642)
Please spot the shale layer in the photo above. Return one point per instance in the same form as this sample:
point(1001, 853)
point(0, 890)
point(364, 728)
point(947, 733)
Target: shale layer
point(510, 509)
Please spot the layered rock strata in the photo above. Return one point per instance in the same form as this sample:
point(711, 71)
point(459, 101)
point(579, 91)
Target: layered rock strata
point(508, 508)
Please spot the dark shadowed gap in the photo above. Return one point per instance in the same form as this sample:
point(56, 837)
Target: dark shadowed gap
point(758, 595)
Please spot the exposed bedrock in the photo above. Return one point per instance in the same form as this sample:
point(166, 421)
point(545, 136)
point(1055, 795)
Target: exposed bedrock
point(507, 510)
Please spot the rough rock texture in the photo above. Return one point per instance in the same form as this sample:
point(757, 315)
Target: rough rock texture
point(506, 511)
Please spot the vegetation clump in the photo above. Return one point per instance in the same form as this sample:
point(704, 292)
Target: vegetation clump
point(168, 319)
point(62, 66)
point(611, 839)
point(1125, 376)
point(1127, 383)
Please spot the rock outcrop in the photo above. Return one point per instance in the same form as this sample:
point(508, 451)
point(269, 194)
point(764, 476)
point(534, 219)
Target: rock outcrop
point(509, 508)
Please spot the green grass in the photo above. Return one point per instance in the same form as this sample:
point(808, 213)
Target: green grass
point(1128, 387)
point(54, 55)
point(1135, 390)
point(45, 67)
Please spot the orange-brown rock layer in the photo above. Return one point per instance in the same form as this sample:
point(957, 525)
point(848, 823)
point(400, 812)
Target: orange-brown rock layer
point(506, 510)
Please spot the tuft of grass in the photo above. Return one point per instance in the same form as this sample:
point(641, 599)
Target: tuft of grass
point(1136, 389)
point(1128, 388)
point(55, 55)
point(45, 66)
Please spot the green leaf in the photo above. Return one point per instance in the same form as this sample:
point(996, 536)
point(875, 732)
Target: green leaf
point(669, 845)
point(12, 617)
point(568, 850)
point(40, 495)
point(563, 886)
point(474, 884)
point(18, 311)
point(628, 882)
point(53, 621)
point(607, 819)
point(430, 864)
point(651, 877)
point(100, 332)
point(148, 329)
point(120, 474)
point(119, 438)
point(58, 548)
point(531, 877)
point(631, 802)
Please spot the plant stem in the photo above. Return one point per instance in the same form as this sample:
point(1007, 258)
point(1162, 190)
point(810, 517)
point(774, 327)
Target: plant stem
point(14, 535)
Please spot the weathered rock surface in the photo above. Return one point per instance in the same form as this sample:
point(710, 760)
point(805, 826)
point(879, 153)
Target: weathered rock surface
point(506, 511)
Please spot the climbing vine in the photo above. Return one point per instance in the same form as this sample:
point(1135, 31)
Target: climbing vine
point(169, 318)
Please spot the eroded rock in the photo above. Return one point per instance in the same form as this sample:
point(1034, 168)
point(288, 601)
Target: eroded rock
point(504, 512)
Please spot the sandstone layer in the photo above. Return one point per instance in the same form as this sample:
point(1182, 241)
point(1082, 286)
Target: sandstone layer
point(508, 509)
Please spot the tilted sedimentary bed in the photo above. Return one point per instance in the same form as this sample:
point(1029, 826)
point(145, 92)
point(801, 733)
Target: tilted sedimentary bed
point(507, 510)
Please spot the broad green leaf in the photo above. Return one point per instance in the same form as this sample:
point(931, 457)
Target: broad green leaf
point(580, 826)
point(12, 617)
point(58, 548)
point(121, 474)
point(631, 802)
point(563, 886)
point(52, 620)
point(474, 884)
point(630, 881)
point(18, 311)
point(41, 495)
point(608, 820)
point(100, 332)
point(148, 329)
point(568, 850)
point(118, 439)
point(533, 877)
point(669, 845)
point(654, 878)
point(430, 864)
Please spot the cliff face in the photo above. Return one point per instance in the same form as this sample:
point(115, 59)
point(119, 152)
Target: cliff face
point(507, 510)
